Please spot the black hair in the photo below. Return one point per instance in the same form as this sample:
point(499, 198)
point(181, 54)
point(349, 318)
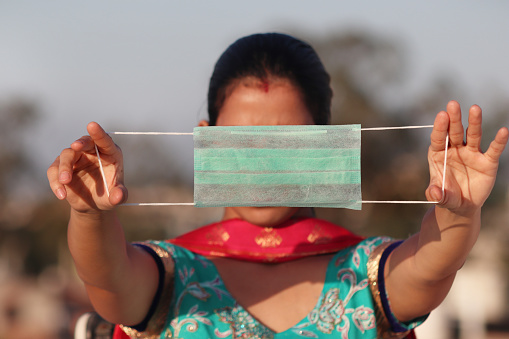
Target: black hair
point(272, 55)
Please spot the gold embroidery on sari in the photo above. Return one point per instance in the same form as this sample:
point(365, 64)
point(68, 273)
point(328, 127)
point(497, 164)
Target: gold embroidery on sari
point(318, 236)
point(217, 236)
point(268, 237)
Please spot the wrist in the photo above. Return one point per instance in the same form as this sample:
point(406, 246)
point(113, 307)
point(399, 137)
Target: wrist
point(462, 216)
point(92, 215)
point(465, 227)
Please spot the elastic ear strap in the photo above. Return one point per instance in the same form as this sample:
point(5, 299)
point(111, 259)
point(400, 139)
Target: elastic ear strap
point(415, 201)
point(363, 201)
point(445, 167)
point(102, 171)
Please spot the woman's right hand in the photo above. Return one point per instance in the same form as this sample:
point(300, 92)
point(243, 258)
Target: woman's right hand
point(75, 175)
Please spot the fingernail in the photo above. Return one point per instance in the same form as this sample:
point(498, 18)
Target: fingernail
point(60, 194)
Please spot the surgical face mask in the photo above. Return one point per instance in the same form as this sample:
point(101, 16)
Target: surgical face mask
point(294, 166)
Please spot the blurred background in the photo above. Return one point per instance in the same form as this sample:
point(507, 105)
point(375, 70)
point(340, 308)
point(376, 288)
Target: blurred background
point(144, 66)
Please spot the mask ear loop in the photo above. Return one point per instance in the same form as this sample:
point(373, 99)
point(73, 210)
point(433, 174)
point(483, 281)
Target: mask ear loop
point(445, 169)
point(138, 204)
point(412, 201)
point(102, 171)
point(364, 201)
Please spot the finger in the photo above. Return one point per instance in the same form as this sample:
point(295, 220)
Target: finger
point(84, 144)
point(439, 133)
point(103, 141)
point(498, 145)
point(68, 158)
point(54, 182)
point(474, 130)
point(456, 131)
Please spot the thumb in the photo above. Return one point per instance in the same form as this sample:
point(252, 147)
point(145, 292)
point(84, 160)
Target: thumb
point(118, 195)
point(434, 193)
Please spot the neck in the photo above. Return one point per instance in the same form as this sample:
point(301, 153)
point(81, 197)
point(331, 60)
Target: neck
point(267, 216)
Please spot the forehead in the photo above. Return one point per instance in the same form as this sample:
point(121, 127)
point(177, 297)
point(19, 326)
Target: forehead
point(258, 102)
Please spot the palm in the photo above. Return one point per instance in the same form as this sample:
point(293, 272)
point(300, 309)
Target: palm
point(470, 174)
point(87, 189)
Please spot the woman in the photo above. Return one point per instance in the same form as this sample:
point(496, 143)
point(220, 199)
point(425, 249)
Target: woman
point(338, 285)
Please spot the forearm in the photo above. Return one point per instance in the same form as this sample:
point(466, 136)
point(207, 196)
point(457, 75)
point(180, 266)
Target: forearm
point(420, 272)
point(98, 247)
point(121, 280)
point(444, 241)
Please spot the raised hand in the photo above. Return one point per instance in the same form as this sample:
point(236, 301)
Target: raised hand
point(75, 175)
point(470, 173)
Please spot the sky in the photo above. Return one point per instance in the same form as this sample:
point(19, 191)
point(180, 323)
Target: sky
point(145, 65)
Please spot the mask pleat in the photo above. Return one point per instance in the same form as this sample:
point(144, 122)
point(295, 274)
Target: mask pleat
point(297, 166)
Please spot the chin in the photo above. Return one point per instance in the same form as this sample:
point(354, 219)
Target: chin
point(262, 216)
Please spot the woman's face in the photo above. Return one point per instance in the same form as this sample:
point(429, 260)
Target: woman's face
point(253, 103)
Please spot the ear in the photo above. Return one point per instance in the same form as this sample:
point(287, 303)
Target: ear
point(203, 123)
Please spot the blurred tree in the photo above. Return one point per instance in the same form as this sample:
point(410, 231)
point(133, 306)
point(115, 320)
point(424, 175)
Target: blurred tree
point(16, 117)
point(363, 67)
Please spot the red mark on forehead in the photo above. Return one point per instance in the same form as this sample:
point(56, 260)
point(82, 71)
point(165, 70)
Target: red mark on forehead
point(265, 85)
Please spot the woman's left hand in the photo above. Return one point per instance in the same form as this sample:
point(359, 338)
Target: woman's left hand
point(470, 173)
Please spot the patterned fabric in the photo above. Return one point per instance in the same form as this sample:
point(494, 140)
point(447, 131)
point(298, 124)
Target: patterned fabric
point(295, 238)
point(202, 307)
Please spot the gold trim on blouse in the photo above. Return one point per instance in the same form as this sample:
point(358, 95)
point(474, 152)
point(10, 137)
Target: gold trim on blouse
point(157, 322)
point(383, 326)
